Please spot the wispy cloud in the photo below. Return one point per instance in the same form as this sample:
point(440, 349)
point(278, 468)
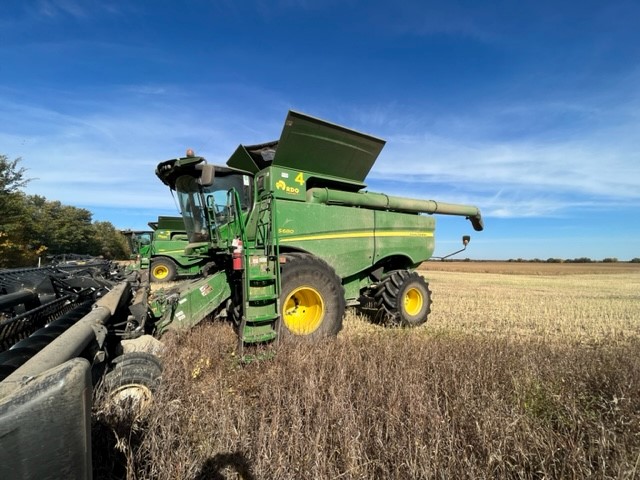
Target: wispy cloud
point(522, 159)
point(79, 9)
point(105, 155)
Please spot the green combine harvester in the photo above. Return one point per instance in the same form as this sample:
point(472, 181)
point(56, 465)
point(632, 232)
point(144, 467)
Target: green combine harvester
point(285, 237)
point(161, 250)
point(292, 238)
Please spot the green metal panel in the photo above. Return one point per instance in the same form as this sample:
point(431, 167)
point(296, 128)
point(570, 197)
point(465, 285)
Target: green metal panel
point(404, 234)
point(353, 239)
point(341, 236)
point(175, 224)
point(290, 184)
point(312, 145)
point(287, 184)
point(252, 158)
point(196, 300)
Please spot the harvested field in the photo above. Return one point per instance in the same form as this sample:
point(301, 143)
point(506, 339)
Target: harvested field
point(517, 374)
point(532, 268)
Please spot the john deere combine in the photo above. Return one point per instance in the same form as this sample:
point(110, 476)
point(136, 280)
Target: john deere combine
point(293, 238)
point(286, 237)
point(161, 250)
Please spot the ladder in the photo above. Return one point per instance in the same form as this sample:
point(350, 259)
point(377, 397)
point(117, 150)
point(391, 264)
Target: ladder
point(260, 320)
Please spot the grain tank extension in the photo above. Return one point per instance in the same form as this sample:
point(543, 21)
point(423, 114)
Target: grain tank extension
point(292, 237)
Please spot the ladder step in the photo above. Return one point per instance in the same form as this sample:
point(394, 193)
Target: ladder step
point(259, 333)
point(262, 278)
point(264, 318)
point(264, 337)
point(262, 298)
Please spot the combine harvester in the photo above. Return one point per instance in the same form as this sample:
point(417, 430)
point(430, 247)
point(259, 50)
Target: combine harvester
point(288, 238)
point(161, 250)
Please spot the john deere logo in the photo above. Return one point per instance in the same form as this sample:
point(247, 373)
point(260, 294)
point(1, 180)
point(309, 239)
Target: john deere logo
point(280, 185)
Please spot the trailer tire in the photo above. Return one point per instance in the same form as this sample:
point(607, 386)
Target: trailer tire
point(163, 270)
point(133, 380)
point(404, 299)
point(129, 358)
point(312, 298)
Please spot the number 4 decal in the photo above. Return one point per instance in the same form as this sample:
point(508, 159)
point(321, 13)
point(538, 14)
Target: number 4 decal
point(300, 178)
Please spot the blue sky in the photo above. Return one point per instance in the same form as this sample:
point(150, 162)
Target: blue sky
point(529, 110)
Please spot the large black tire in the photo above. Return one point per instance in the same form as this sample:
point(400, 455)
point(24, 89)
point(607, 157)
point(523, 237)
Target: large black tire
point(312, 299)
point(134, 378)
point(404, 299)
point(163, 270)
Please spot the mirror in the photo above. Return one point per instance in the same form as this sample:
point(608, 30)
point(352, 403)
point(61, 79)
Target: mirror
point(207, 173)
point(466, 239)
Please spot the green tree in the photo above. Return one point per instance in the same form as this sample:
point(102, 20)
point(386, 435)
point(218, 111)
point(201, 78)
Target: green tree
point(12, 176)
point(31, 225)
point(60, 228)
point(109, 242)
point(15, 249)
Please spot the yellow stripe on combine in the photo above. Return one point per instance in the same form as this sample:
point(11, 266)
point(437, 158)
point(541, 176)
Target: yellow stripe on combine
point(329, 236)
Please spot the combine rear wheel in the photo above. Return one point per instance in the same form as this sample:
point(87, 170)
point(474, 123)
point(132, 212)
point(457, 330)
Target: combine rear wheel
point(163, 270)
point(312, 298)
point(404, 299)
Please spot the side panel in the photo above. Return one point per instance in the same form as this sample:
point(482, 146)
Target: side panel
point(341, 236)
point(404, 234)
point(352, 239)
point(175, 250)
point(195, 300)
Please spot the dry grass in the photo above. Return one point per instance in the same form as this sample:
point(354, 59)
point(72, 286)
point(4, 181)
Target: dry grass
point(584, 308)
point(514, 376)
point(532, 268)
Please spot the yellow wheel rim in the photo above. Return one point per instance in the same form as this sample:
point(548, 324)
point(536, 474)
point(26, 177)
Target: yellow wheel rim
point(303, 311)
point(413, 301)
point(160, 271)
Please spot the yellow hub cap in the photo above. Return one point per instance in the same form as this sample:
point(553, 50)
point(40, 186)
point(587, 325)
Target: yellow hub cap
point(160, 271)
point(413, 301)
point(303, 311)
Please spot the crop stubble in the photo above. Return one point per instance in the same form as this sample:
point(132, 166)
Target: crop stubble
point(525, 375)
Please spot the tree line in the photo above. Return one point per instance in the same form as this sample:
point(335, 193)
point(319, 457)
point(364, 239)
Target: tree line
point(33, 228)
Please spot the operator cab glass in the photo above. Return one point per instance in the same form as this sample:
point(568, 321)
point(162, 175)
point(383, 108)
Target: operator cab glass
point(207, 208)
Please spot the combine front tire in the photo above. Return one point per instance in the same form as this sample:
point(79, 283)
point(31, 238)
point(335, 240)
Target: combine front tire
point(163, 270)
point(312, 298)
point(404, 299)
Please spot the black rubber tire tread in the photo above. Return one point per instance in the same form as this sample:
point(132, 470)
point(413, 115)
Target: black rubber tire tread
point(131, 358)
point(393, 287)
point(139, 372)
point(306, 269)
point(398, 279)
point(167, 262)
